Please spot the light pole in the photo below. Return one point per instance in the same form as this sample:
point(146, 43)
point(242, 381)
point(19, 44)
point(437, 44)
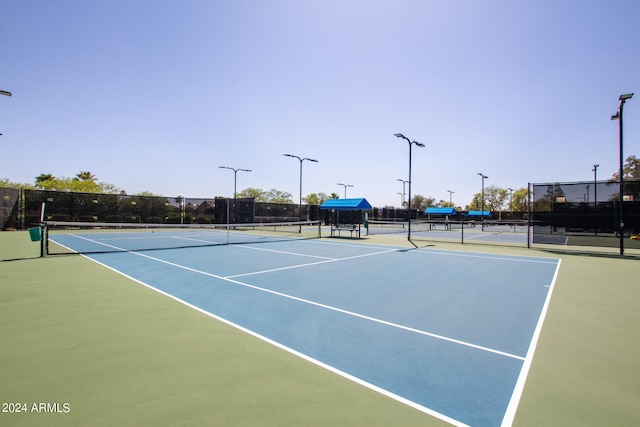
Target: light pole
point(618, 116)
point(595, 185)
point(5, 93)
point(510, 200)
point(345, 188)
point(482, 211)
point(235, 177)
point(450, 200)
point(235, 193)
point(411, 143)
point(587, 193)
point(595, 196)
point(301, 160)
point(404, 193)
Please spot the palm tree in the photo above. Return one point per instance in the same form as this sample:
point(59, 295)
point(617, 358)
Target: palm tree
point(86, 176)
point(43, 177)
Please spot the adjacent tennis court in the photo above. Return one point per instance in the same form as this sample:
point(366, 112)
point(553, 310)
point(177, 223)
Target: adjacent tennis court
point(494, 232)
point(449, 333)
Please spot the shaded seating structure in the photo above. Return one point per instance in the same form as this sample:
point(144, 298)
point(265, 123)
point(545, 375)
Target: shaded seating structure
point(439, 215)
point(346, 215)
point(478, 215)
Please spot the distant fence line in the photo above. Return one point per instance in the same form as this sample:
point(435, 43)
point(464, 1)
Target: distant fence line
point(20, 208)
point(575, 210)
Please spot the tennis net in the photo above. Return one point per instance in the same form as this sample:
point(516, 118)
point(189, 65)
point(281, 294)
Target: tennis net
point(90, 237)
point(490, 231)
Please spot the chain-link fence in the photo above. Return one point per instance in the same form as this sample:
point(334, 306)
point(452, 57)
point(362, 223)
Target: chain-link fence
point(21, 208)
point(585, 213)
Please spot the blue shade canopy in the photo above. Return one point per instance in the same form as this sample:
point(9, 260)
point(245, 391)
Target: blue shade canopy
point(346, 204)
point(440, 211)
point(479, 213)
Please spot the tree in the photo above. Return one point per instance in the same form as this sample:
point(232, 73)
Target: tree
point(519, 203)
point(4, 182)
point(85, 176)
point(631, 169)
point(315, 199)
point(257, 194)
point(494, 198)
point(277, 196)
point(260, 195)
point(421, 203)
point(86, 184)
point(43, 177)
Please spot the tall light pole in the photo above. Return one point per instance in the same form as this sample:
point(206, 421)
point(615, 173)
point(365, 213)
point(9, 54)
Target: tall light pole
point(235, 193)
point(510, 200)
point(618, 116)
point(345, 188)
point(404, 193)
point(482, 196)
point(301, 159)
point(587, 193)
point(5, 93)
point(595, 185)
point(235, 177)
point(595, 196)
point(411, 143)
point(450, 199)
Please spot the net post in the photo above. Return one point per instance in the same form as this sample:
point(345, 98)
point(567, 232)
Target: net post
point(44, 239)
point(462, 233)
point(529, 224)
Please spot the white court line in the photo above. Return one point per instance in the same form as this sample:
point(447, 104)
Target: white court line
point(290, 350)
point(427, 251)
point(516, 258)
point(518, 389)
point(328, 307)
point(524, 372)
point(285, 252)
point(311, 263)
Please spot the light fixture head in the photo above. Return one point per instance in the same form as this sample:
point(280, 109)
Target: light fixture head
point(625, 96)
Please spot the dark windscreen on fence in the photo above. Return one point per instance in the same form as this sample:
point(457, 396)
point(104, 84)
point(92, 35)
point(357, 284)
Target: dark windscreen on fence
point(585, 213)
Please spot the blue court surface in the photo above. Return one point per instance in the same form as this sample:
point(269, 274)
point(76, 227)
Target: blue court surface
point(449, 333)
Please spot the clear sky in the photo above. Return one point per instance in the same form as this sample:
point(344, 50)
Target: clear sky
point(154, 95)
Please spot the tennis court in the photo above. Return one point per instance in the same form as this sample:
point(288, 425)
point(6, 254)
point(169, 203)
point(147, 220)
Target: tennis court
point(493, 232)
point(449, 333)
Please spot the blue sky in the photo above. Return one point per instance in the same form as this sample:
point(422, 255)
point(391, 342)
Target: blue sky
point(155, 95)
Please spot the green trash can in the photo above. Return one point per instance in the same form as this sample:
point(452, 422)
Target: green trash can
point(36, 234)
